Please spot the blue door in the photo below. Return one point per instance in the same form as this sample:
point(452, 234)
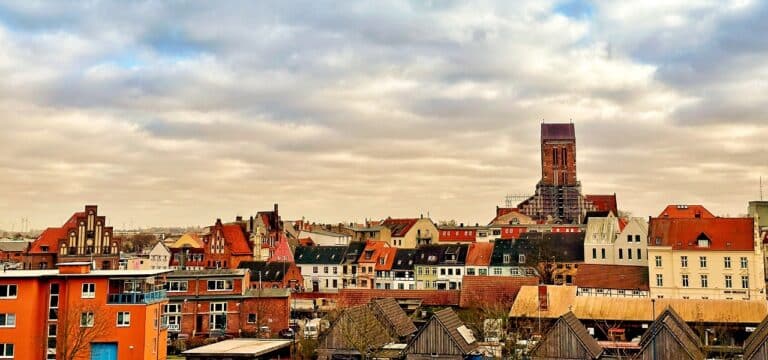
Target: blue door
point(103, 351)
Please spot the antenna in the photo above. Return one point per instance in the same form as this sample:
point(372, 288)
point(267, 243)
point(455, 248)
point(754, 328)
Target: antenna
point(761, 188)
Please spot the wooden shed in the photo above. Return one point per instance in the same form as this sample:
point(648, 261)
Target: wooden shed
point(567, 339)
point(444, 336)
point(756, 346)
point(670, 338)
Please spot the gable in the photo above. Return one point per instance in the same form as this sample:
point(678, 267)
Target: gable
point(567, 339)
point(433, 338)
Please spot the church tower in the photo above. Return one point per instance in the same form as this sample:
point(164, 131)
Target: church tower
point(558, 155)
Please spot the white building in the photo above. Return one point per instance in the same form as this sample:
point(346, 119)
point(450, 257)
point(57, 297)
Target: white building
point(326, 238)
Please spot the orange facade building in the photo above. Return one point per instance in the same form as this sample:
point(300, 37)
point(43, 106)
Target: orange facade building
point(76, 312)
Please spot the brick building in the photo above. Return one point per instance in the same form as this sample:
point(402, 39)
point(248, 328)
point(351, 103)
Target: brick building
point(76, 311)
point(225, 246)
point(219, 302)
point(84, 237)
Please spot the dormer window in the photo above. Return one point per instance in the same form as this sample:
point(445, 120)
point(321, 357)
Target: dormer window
point(381, 261)
point(703, 241)
point(507, 258)
point(432, 258)
point(521, 259)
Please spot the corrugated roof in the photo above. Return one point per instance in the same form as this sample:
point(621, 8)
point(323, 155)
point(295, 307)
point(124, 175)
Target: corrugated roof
point(563, 299)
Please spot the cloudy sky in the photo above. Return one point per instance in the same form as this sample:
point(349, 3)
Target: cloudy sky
point(178, 112)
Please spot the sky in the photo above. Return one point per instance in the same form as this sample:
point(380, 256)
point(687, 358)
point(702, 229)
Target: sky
point(181, 112)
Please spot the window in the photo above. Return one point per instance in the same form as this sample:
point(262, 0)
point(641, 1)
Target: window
point(458, 272)
point(685, 280)
point(252, 318)
point(602, 253)
point(483, 272)
point(621, 253)
point(6, 351)
point(637, 238)
point(683, 261)
point(639, 254)
point(89, 291)
point(219, 285)
point(521, 258)
point(86, 319)
point(314, 269)
point(177, 286)
point(728, 281)
point(507, 258)
point(745, 282)
point(743, 262)
point(629, 254)
point(629, 238)
point(496, 271)
point(659, 280)
point(325, 269)
point(727, 262)
point(470, 271)
point(450, 271)
point(123, 319)
point(172, 308)
point(218, 307)
point(418, 271)
point(704, 281)
point(7, 320)
point(442, 271)
point(658, 261)
point(335, 270)
point(335, 283)
point(702, 261)
point(594, 253)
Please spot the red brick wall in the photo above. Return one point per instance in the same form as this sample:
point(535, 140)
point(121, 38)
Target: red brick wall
point(551, 172)
point(271, 312)
point(352, 297)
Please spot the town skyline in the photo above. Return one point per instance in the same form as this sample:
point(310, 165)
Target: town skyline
point(375, 110)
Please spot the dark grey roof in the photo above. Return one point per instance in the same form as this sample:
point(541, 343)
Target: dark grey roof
point(404, 259)
point(319, 254)
point(13, 246)
point(441, 255)
point(270, 271)
point(554, 338)
point(354, 250)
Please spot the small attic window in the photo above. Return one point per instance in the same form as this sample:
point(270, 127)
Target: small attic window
point(703, 240)
point(658, 240)
point(432, 258)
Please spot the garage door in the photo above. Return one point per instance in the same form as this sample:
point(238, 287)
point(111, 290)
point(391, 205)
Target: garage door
point(104, 351)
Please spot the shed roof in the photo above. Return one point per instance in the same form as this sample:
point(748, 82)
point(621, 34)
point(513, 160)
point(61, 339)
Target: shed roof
point(393, 315)
point(758, 338)
point(670, 321)
point(563, 299)
point(451, 322)
point(577, 329)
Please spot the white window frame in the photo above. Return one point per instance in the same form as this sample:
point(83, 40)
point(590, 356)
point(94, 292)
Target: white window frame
point(88, 291)
point(218, 282)
point(744, 262)
point(217, 307)
point(4, 351)
point(728, 281)
point(172, 308)
point(745, 281)
point(179, 286)
point(9, 320)
point(89, 317)
point(6, 291)
point(125, 316)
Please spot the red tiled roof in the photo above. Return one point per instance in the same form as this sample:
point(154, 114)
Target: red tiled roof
point(354, 297)
point(479, 254)
point(282, 251)
point(306, 242)
point(399, 227)
point(492, 290)
point(234, 236)
point(683, 233)
point(457, 234)
point(389, 254)
point(622, 223)
point(51, 236)
point(685, 211)
point(375, 248)
point(603, 202)
point(558, 132)
point(598, 276)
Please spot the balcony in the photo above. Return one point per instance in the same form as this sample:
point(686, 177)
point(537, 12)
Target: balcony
point(137, 297)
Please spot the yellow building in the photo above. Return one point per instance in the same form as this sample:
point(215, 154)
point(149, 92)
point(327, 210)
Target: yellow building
point(408, 233)
point(705, 258)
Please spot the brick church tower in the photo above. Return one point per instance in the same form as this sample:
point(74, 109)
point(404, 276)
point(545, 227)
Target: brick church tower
point(558, 197)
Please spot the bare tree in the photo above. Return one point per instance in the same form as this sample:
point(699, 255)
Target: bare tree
point(358, 329)
point(80, 325)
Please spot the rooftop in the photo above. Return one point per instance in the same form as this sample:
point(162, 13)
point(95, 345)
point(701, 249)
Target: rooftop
point(558, 132)
point(242, 347)
point(93, 273)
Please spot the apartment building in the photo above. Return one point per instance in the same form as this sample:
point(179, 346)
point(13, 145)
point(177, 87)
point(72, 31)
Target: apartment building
point(373, 253)
point(614, 241)
point(403, 274)
point(321, 267)
point(223, 302)
point(440, 267)
point(464, 234)
point(411, 232)
point(77, 312)
point(703, 257)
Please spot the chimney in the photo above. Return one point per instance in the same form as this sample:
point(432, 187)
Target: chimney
point(250, 224)
point(461, 225)
point(238, 218)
